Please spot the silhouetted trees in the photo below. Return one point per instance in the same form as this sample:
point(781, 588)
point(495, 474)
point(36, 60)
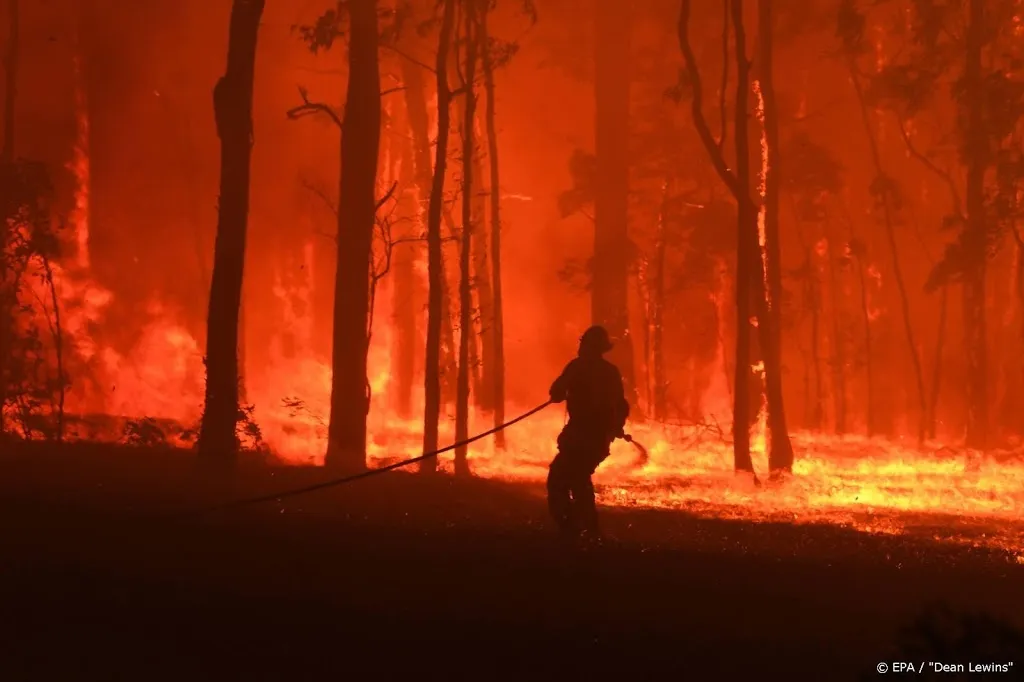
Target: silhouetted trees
point(357, 212)
point(780, 455)
point(232, 101)
point(432, 378)
point(750, 272)
point(470, 39)
point(612, 248)
point(6, 209)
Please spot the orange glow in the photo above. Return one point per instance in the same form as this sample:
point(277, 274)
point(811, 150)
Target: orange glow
point(136, 342)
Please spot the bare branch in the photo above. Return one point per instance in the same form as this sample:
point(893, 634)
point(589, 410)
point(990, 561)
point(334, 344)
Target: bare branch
point(725, 74)
point(384, 199)
point(697, 107)
point(945, 175)
point(391, 90)
point(307, 108)
point(318, 191)
point(409, 57)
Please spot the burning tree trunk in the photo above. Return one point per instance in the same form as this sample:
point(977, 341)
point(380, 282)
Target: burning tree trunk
point(609, 289)
point(432, 382)
point(497, 320)
point(750, 273)
point(781, 451)
point(357, 214)
point(974, 238)
point(232, 102)
point(7, 158)
point(465, 254)
point(883, 190)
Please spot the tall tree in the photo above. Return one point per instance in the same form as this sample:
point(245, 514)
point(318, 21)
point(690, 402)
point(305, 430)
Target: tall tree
point(497, 314)
point(975, 237)
point(610, 283)
point(432, 378)
point(781, 450)
point(470, 41)
point(886, 196)
point(750, 273)
point(7, 158)
point(232, 104)
point(357, 216)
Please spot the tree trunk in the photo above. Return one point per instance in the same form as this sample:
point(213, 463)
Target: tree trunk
point(432, 380)
point(940, 348)
point(838, 346)
point(609, 290)
point(484, 388)
point(465, 255)
point(7, 154)
point(357, 215)
point(232, 102)
point(739, 185)
point(974, 241)
point(497, 319)
point(882, 181)
point(658, 316)
point(780, 457)
point(406, 294)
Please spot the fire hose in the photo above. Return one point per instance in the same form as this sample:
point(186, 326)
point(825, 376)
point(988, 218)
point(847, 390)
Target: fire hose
point(398, 465)
point(372, 472)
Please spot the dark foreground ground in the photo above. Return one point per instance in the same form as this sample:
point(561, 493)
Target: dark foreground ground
point(396, 577)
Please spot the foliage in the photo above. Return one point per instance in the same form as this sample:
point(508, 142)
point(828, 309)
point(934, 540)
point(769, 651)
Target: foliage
point(144, 432)
point(33, 388)
point(810, 172)
point(929, 70)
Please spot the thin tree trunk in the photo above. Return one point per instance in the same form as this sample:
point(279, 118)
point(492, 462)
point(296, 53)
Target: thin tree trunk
point(937, 363)
point(7, 154)
point(974, 242)
point(357, 215)
point(739, 186)
point(780, 459)
point(497, 320)
point(58, 342)
point(658, 315)
point(232, 100)
point(432, 381)
point(890, 234)
point(484, 389)
point(610, 277)
point(406, 293)
point(839, 355)
point(465, 254)
point(745, 255)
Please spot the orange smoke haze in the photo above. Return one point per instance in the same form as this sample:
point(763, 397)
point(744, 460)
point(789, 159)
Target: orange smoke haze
point(118, 95)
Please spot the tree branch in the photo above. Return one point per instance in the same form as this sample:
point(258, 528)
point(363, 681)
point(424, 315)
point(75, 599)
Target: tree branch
point(954, 194)
point(388, 195)
point(307, 108)
point(697, 106)
point(725, 74)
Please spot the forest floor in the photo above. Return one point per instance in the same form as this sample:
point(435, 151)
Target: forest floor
point(105, 575)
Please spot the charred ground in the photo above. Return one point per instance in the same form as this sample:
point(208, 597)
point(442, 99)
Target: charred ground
point(109, 574)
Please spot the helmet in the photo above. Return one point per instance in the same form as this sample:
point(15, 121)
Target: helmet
point(595, 340)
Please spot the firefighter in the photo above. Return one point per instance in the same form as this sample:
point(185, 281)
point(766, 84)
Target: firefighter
point(592, 388)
